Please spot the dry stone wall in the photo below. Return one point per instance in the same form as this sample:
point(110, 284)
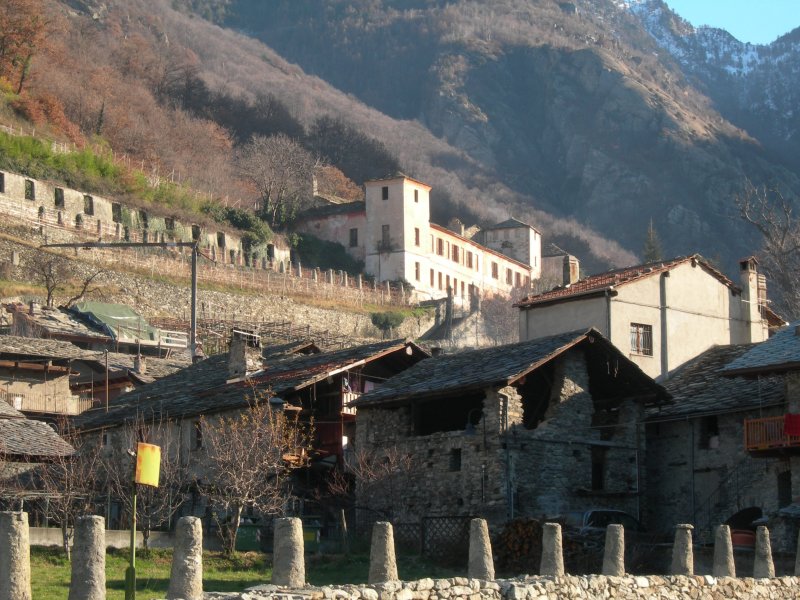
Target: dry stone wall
point(542, 588)
point(154, 298)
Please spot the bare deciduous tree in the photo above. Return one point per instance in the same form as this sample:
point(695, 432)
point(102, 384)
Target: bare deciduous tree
point(281, 171)
point(773, 217)
point(70, 482)
point(155, 506)
point(250, 456)
point(57, 274)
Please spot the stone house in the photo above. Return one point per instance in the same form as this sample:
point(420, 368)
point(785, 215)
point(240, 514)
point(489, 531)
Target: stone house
point(52, 379)
point(700, 468)
point(527, 429)
point(392, 233)
point(659, 314)
point(320, 386)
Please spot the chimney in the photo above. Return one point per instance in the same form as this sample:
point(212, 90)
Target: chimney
point(140, 365)
point(751, 300)
point(237, 357)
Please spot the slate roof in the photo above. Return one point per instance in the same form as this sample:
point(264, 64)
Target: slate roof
point(344, 208)
point(597, 284)
point(52, 321)
point(700, 388)
point(15, 346)
point(31, 439)
point(8, 411)
point(778, 354)
point(42, 348)
point(485, 367)
point(204, 388)
point(34, 439)
point(511, 223)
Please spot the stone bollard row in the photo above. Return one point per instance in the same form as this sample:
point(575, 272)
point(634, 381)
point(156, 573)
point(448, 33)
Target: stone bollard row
point(288, 561)
point(186, 576)
point(552, 562)
point(481, 564)
point(763, 566)
point(614, 551)
point(382, 561)
point(724, 565)
point(88, 581)
point(682, 552)
point(15, 556)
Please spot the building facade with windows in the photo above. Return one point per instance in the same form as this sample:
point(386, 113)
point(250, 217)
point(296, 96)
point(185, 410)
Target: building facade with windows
point(392, 233)
point(660, 314)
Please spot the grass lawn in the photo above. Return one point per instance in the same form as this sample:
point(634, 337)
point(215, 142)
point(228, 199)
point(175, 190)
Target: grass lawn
point(50, 572)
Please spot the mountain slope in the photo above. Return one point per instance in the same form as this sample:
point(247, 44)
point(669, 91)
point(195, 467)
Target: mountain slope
point(572, 105)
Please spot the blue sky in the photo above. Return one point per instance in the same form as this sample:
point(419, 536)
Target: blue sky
point(754, 21)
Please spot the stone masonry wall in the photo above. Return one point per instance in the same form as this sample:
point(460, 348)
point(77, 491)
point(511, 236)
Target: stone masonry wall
point(541, 588)
point(153, 298)
point(549, 468)
point(714, 478)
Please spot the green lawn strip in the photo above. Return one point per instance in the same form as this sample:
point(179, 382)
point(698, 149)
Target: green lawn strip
point(50, 572)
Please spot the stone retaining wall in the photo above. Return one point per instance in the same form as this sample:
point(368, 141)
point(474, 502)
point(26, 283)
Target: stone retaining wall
point(673, 587)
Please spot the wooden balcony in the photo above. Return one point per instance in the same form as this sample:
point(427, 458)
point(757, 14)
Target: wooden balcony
point(52, 405)
point(347, 398)
point(767, 435)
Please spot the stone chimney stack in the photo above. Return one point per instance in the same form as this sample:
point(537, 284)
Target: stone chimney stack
point(237, 357)
point(753, 299)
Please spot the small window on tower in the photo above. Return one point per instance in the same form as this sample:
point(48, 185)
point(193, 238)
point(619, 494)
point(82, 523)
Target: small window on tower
point(385, 192)
point(353, 237)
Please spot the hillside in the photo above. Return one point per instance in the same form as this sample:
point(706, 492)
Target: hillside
point(573, 106)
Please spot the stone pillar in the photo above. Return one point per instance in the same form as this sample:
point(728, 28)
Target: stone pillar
point(552, 562)
point(763, 566)
point(481, 565)
point(614, 551)
point(88, 580)
point(186, 577)
point(15, 557)
point(359, 281)
point(682, 553)
point(330, 276)
point(299, 269)
point(289, 567)
point(344, 278)
point(382, 563)
point(724, 565)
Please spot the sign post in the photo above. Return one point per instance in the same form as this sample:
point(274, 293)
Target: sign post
point(146, 468)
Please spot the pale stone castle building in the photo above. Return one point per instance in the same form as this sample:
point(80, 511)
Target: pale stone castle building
point(392, 233)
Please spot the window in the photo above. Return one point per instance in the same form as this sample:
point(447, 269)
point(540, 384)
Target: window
point(198, 434)
point(88, 205)
point(116, 213)
point(30, 190)
point(440, 246)
point(440, 280)
point(462, 289)
point(642, 339)
point(416, 271)
point(455, 459)
point(105, 439)
point(709, 432)
point(353, 237)
point(169, 223)
point(220, 239)
point(58, 199)
point(416, 236)
point(598, 467)
point(447, 282)
point(509, 276)
point(784, 489)
point(433, 282)
point(385, 192)
point(494, 270)
point(518, 280)
point(456, 253)
point(416, 195)
point(385, 236)
point(469, 260)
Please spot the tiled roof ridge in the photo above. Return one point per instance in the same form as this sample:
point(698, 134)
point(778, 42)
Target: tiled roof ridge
point(621, 276)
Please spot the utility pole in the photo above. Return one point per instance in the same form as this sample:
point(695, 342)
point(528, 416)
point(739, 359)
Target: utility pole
point(195, 251)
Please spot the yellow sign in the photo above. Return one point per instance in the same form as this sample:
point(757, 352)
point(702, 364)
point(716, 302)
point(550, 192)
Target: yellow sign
point(148, 464)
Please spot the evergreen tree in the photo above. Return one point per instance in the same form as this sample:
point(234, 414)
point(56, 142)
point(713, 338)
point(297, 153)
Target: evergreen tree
point(652, 245)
